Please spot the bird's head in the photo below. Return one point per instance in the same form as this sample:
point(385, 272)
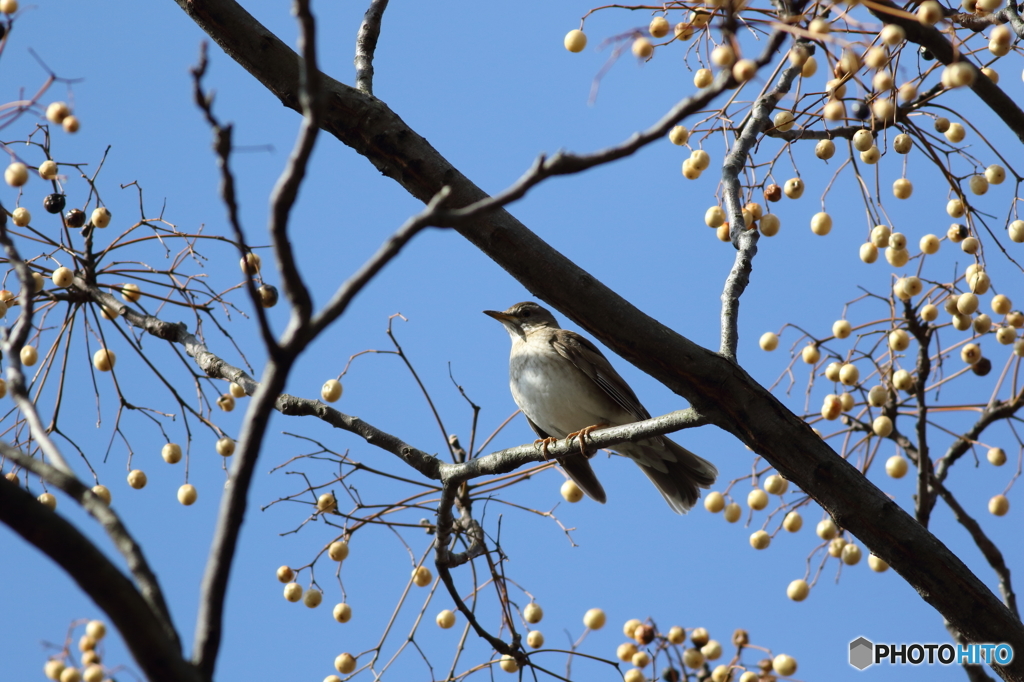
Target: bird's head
point(523, 318)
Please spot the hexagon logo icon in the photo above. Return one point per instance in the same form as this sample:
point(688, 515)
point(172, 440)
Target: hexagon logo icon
point(861, 653)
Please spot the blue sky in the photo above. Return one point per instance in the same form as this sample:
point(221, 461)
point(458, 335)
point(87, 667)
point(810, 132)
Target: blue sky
point(490, 88)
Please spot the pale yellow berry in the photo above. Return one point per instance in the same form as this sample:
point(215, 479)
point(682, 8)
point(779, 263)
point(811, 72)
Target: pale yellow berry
point(896, 466)
point(978, 184)
point(999, 505)
point(48, 501)
point(835, 547)
point(693, 658)
point(629, 627)
point(996, 456)
point(21, 216)
point(907, 93)
point(967, 303)
point(929, 12)
point(575, 40)
point(338, 550)
point(594, 619)
point(929, 244)
point(757, 499)
point(955, 208)
point(642, 48)
point(445, 619)
point(832, 370)
point(331, 390)
point(810, 354)
point(821, 223)
point(929, 313)
point(640, 659)
point(899, 340)
point(71, 124)
point(841, 329)
point(346, 663)
point(225, 447)
point(712, 650)
point(16, 174)
point(56, 112)
point(793, 522)
point(312, 598)
point(782, 664)
point(877, 564)
point(851, 555)
point(48, 170)
point(903, 143)
point(902, 188)
point(760, 539)
point(187, 494)
point(769, 224)
point(723, 56)
point(794, 188)
point(744, 70)
point(702, 78)
point(995, 174)
point(849, 375)
point(826, 529)
point(798, 590)
point(659, 27)
point(769, 341)
point(571, 492)
point(533, 613)
point(676, 635)
point(891, 34)
point(834, 110)
point(285, 574)
point(882, 426)
point(733, 512)
point(820, 26)
point(535, 639)
point(714, 502)
point(776, 484)
point(868, 252)
point(679, 135)
point(784, 121)
point(902, 380)
point(342, 613)
point(863, 140)
point(700, 159)
point(882, 81)
point(102, 492)
point(714, 216)
point(871, 155)
point(100, 216)
point(421, 576)
point(137, 479)
point(171, 452)
point(955, 133)
point(825, 149)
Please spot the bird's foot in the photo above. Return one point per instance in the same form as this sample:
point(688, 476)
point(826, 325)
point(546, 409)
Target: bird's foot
point(582, 434)
point(544, 443)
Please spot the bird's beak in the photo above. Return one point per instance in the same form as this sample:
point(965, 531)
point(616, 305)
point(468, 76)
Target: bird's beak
point(501, 317)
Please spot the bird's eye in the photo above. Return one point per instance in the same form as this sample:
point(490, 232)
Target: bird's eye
point(526, 313)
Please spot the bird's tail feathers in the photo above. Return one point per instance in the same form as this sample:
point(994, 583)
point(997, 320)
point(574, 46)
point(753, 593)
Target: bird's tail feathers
point(680, 484)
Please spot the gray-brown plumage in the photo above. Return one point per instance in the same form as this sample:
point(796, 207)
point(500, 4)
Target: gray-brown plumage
point(563, 384)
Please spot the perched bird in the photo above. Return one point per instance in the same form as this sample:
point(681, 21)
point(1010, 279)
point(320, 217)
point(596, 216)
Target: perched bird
point(564, 385)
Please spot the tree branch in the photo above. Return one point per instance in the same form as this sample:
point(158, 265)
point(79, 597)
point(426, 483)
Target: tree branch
point(366, 44)
point(156, 651)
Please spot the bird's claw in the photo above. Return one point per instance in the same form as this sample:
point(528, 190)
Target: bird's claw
point(544, 443)
point(582, 434)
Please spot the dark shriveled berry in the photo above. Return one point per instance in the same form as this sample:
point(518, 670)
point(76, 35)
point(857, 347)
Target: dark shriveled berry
point(53, 203)
point(982, 367)
point(75, 217)
point(860, 110)
point(268, 295)
point(926, 54)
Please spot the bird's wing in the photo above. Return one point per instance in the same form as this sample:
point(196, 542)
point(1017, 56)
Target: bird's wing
point(585, 356)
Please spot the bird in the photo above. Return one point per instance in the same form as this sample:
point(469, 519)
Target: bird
point(566, 387)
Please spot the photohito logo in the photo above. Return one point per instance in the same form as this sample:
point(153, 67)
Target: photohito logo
point(863, 653)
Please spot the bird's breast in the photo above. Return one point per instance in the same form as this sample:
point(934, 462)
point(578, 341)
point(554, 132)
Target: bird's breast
point(554, 394)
